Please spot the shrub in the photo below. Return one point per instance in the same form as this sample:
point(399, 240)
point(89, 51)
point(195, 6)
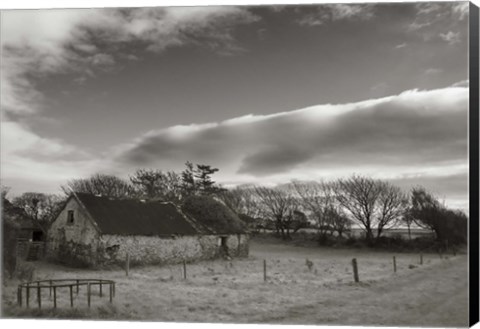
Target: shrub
point(25, 271)
point(326, 240)
point(354, 242)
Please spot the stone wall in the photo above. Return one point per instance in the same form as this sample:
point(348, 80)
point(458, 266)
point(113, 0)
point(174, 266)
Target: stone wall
point(113, 249)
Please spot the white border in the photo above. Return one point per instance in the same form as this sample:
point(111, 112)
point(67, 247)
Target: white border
point(30, 4)
point(76, 324)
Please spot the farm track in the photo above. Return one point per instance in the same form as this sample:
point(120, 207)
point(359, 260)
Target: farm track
point(434, 296)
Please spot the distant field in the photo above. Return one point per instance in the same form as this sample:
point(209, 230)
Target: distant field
point(434, 294)
point(403, 232)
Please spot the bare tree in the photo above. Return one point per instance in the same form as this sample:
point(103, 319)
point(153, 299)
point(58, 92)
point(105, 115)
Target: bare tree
point(279, 205)
point(409, 220)
point(241, 200)
point(156, 184)
point(40, 207)
point(392, 206)
point(338, 220)
point(297, 220)
point(233, 199)
point(172, 187)
point(317, 199)
point(100, 184)
point(359, 195)
point(373, 203)
point(147, 182)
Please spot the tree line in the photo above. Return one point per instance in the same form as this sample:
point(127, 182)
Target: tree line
point(330, 207)
point(146, 184)
point(374, 205)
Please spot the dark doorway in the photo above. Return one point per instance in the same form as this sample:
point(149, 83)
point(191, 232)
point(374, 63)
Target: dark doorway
point(37, 236)
point(223, 242)
point(223, 246)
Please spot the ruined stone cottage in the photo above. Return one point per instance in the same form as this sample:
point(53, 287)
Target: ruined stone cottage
point(94, 230)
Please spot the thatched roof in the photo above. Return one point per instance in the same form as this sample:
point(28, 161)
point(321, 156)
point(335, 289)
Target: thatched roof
point(214, 215)
point(134, 217)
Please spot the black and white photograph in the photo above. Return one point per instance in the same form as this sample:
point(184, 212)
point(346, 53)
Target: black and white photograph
point(288, 164)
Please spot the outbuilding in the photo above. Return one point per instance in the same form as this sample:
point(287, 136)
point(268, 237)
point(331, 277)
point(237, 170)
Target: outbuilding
point(29, 235)
point(97, 230)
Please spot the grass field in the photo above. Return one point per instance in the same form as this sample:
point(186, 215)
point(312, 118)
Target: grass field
point(432, 294)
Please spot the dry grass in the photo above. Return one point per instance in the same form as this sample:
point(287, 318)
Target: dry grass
point(234, 291)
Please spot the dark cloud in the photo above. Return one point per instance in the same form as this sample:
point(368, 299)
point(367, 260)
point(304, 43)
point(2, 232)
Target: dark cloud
point(274, 159)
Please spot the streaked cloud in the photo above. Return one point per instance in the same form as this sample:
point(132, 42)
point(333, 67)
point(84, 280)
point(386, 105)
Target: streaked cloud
point(387, 137)
point(82, 41)
point(414, 137)
point(37, 44)
point(450, 37)
point(336, 12)
point(460, 9)
point(433, 71)
point(40, 162)
point(433, 17)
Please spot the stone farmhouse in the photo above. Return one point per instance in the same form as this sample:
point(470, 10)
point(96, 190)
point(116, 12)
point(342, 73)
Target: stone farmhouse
point(95, 231)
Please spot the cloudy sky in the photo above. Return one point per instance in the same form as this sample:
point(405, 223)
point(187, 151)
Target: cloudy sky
point(267, 94)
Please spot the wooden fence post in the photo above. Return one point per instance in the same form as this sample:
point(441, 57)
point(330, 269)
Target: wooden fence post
point(39, 295)
point(50, 289)
point(355, 270)
point(184, 269)
point(394, 265)
point(54, 297)
point(19, 296)
point(101, 294)
point(111, 291)
point(78, 285)
point(71, 295)
point(421, 259)
point(265, 270)
point(88, 294)
point(127, 264)
point(28, 295)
